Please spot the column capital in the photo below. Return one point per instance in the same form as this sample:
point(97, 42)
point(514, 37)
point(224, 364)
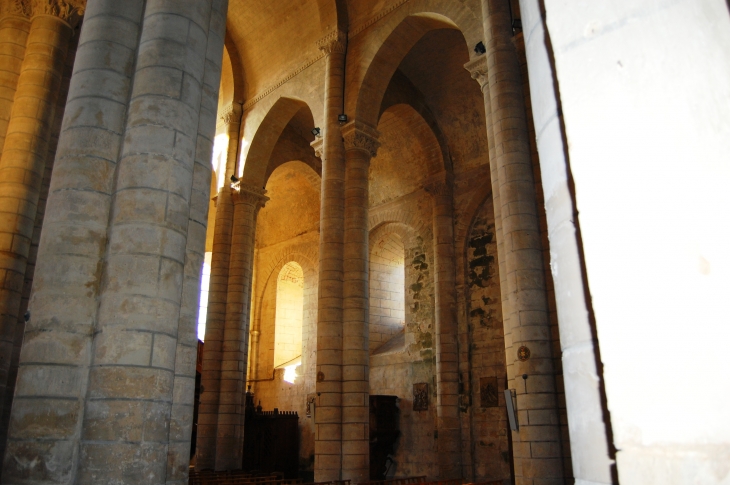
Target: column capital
point(478, 69)
point(439, 184)
point(230, 114)
point(248, 194)
point(318, 145)
point(16, 8)
point(70, 11)
point(335, 41)
point(360, 136)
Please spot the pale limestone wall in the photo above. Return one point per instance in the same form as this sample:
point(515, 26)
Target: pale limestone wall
point(672, 138)
point(432, 121)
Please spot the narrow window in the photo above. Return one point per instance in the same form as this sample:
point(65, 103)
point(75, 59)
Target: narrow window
point(288, 322)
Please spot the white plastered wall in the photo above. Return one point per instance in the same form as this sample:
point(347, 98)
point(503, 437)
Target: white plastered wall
point(645, 92)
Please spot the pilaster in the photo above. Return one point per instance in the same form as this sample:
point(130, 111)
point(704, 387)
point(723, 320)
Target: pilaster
point(440, 187)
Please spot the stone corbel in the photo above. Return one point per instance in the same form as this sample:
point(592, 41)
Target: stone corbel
point(335, 41)
point(318, 145)
point(439, 184)
point(249, 195)
point(359, 136)
point(478, 69)
point(230, 114)
point(70, 11)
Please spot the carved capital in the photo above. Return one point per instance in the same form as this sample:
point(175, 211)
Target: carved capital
point(359, 136)
point(15, 8)
point(478, 69)
point(69, 11)
point(230, 114)
point(318, 145)
point(249, 195)
point(335, 41)
point(439, 184)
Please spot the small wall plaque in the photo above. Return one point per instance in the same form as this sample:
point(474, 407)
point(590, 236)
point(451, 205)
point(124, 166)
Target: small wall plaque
point(488, 392)
point(420, 396)
point(320, 376)
point(523, 353)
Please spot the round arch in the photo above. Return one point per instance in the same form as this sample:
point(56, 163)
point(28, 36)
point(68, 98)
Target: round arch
point(383, 49)
point(256, 165)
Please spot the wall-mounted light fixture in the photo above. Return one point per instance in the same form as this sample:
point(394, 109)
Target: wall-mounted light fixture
point(479, 48)
point(234, 179)
point(342, 118)
point(316, 131)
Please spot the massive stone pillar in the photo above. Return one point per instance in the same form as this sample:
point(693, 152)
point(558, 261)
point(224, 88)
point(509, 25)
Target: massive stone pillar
point(360, 146)
point(35, 239)
point(66, 288)
point(14, 27)
point(587, 421)
point(99, 366)
point(23, 160)
point(217, 297)
point(247, 201)
point(183, 402)
point(328, 411)
point(536, 446)
point(447, 354)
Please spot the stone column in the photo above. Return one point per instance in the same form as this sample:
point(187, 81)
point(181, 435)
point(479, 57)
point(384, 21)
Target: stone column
point(447, 353)
point(183, 402)
point(110, 403)
point(14, 27)
point(134, 368)
point(57, 343)
point(587, 422)
point(328, 414)
point(217, 297)
point(23, 161)
point(35, 239)
point(361, 144)
point(247, 201)
point(536, 446)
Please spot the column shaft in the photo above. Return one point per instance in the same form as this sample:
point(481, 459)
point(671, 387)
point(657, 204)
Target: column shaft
point(229, 436)
point(328, 412)
point(360, 146)
point(21, 169)
point(536, 447)
point(14, 30)
point(33, 253)
point(127, 415)
point(217, 297)
point(181, 417)
point(66, 285)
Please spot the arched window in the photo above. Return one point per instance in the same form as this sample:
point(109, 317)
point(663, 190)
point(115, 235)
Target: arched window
point(387, 282)
point(288, 321)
